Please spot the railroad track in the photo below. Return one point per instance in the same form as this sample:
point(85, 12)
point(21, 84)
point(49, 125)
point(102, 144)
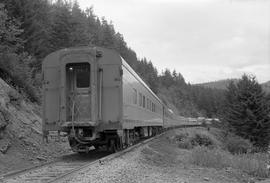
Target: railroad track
point(62, 168)
point(56, 171)
point(51, 171)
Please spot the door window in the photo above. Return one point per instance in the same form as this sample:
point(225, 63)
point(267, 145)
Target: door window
point(83, 77)
point(82, 72)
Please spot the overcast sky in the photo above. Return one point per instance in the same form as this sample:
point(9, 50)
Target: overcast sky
point(204, 40)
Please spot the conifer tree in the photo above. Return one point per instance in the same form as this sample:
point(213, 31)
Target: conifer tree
point(9, 33)
point(78, 35)
point(61, 25)
point(247, 111)
point(35, 23)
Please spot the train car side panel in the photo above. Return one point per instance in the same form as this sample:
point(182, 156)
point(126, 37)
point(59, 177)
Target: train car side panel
point(140, 105)
point(111, 94)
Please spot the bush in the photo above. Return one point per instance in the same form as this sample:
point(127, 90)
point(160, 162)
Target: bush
point(179, 137)
point(196, 138)
point(237, 145)
point(202, 140)
point(204, 124)
point(185, 144)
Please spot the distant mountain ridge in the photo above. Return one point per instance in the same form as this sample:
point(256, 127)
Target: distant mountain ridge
point(222, 84)
point(266, 86)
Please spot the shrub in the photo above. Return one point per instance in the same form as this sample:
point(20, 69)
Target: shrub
point(181, 136)
point(237, 145)
point(202, 140)
point(196, 138)
point(185, 144)
point(204, 124)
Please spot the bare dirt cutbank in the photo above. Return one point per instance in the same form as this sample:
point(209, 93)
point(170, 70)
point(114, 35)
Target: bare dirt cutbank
point(159, 161)
point(21, 143)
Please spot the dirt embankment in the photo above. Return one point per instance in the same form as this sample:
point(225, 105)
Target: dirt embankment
point(21, 143)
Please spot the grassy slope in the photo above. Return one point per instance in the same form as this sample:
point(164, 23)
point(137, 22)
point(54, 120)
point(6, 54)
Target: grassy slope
point(164, 155)
point(239, 167)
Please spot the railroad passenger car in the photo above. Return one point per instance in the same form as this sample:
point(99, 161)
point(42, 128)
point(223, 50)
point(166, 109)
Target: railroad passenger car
point(94, 96)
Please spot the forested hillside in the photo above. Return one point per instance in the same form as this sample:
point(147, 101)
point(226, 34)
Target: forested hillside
point(29, 30)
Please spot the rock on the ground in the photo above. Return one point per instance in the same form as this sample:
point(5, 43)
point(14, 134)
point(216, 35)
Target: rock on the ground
point(206, 179)
point(41, 158)
point(4, 146)
point(3, 121)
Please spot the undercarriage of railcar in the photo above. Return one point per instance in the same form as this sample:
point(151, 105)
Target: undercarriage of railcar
point(81, 139)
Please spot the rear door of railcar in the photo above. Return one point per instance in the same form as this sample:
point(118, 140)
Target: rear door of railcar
point(78, 82)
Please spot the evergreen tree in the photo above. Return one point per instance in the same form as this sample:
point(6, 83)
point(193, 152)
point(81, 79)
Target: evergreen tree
point(79, 35)
point(167, 79)
point(61, 25)
point(247, 111)
point(93, 25)
point(149, 73)
point(10, 41)
point(14, 64)
point(35, 21)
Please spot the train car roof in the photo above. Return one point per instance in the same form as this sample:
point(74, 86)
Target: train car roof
point(108, 56)
point(128, 67)
point(112, 57)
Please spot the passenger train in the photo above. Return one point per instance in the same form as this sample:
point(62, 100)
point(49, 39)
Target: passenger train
point(94, 96)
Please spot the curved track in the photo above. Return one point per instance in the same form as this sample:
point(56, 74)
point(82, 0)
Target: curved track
point(68, 164)
point(55, 171)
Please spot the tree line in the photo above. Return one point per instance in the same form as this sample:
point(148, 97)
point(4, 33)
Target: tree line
point(30, 30)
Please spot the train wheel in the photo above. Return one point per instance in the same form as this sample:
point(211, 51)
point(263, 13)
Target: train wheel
point(112, 147)
point(96, 147)
point(120, 145)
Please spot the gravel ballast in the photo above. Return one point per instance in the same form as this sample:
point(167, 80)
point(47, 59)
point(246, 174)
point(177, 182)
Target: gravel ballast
point(155, 162)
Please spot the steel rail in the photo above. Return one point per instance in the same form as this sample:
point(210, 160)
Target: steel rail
point(106, 158)
point(115, 155)
point(62, 169)
point(21, 171)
